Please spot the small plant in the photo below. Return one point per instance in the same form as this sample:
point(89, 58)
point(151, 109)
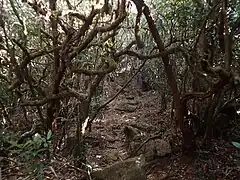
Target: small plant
point(236, 144)
point(33, 147)
point(38, 170)
point(31, 151)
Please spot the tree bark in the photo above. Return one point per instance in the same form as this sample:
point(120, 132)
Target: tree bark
point(178, 104)
point(54, 105)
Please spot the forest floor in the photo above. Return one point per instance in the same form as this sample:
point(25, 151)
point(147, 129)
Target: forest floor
point(142, 110)
point(218, 161)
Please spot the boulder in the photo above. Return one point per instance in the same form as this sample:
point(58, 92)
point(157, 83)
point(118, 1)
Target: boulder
point(127, 106)
point(130, 169)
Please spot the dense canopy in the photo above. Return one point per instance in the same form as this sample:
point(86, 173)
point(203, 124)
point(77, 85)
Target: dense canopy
point(63, 63)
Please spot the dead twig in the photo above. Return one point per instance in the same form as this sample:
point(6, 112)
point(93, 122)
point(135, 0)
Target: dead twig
point(54, 172)
point(65, 163)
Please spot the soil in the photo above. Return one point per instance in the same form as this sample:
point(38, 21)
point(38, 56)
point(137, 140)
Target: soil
point(106, 144)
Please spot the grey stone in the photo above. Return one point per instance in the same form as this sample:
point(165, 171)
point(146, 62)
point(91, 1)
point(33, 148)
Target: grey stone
point(130, 169)
point(162, 147)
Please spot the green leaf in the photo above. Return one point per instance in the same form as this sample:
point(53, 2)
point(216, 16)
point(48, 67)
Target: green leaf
point(45, 145)
point(27, 144)
point(236, 144)
point(14, 144)
point(49, 135)
point(37, 138)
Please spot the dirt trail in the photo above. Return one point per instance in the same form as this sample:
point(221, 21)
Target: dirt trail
point(143, 110)
point(140, 110)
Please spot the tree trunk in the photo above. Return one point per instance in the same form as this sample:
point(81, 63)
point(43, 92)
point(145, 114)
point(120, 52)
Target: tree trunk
point(54, 105)
point(178, 105)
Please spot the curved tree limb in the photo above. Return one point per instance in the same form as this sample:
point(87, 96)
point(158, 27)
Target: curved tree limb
point(61, 95)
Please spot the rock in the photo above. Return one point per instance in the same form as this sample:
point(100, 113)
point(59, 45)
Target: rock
point(130, 133)
point(152, 149)
point(126, 107)
point(130, 169)
point(113, 155)
point(162, 147)
point(133, 138)
point(148, 150)
point(110, 138)
point(156, 148)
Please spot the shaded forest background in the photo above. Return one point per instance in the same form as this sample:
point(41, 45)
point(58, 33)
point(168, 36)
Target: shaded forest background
point(63, 62)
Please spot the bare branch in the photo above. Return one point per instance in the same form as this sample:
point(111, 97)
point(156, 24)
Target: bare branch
point(78, 15)
point(37, 7)
point(48, 98)
point(93, 72)
point(96, 30)
point(24, 49)
point(143, 57)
